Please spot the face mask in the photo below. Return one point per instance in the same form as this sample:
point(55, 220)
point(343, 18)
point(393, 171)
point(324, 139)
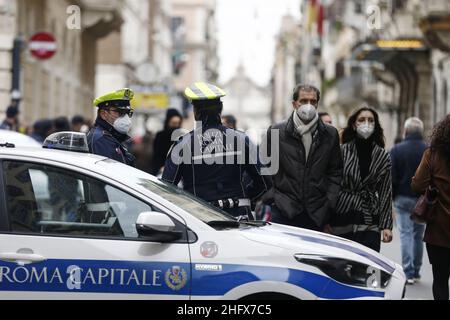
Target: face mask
point(123, 124)
point(307, 112)
point(365, 130)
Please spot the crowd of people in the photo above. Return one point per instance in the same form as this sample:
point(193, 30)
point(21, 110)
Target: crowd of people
point(41, 129)
point(344, 183)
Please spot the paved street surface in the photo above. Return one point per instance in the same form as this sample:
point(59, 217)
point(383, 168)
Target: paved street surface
point(420, 290)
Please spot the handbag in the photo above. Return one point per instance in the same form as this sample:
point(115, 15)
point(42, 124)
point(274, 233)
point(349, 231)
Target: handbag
point(423, 210)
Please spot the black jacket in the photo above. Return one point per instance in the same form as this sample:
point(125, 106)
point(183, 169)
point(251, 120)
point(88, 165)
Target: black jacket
point(215, 180)
point(302, 187)
point(406, 157)
point(161, 146)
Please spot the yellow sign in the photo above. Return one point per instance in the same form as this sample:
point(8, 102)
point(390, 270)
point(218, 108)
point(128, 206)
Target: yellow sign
point(402, 44)
point(150, 101)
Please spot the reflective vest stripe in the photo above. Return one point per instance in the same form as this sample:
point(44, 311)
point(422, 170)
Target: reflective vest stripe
point(217, 91)
point(206, 90)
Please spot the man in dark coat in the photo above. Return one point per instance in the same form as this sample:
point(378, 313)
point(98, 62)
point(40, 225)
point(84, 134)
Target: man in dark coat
point(306, 186)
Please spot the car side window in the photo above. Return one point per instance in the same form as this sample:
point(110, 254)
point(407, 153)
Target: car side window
point(48, 200)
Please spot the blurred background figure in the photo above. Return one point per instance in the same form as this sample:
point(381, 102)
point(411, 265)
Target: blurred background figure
point(398, 140)
point(163, 140)
point(61, 124)
point(42, 129)
point(142, 148)
point(229, 121)
point(406, 157)
point(77, 123)
point(326, 118)
point(12, 119)
point(435, 165)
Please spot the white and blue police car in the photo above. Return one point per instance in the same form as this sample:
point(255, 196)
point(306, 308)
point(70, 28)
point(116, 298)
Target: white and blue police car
point(79, 226)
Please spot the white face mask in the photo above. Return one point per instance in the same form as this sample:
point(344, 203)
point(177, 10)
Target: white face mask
point(123, 124)
point(365, 130)
point(307, 112)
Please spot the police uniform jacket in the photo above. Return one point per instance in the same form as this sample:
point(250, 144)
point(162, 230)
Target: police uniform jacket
point(106, 141)
point(216, 181)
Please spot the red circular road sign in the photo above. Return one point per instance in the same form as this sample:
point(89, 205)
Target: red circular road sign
point(43, 45)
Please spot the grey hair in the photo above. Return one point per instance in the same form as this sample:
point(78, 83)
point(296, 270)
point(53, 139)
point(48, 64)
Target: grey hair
point(413, 125)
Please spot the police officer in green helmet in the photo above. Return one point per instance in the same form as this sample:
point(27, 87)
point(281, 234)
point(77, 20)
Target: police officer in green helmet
point(112, 125)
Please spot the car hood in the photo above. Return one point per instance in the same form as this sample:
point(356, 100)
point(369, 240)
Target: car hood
point(302, 241)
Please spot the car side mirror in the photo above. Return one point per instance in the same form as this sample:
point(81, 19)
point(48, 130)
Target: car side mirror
point(157, 227)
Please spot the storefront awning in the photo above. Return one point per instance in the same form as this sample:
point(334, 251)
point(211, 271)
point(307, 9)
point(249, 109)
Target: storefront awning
point(384, 50)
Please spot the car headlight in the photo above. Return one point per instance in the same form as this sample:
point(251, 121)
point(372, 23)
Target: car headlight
point(347, 272)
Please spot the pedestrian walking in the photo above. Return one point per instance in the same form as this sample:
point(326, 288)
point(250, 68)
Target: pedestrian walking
point(12, 119)
point(326, 118)
point(435, 165)
point(42, 129)
point(78, 123)
point(364, 208)
point(229, 121)
point(306, 186)
point(406, 157)
point(212, 159)
point(143, 151)
point(61, 124)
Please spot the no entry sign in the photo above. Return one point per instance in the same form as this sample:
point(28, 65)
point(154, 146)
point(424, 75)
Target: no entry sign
point(43, 45)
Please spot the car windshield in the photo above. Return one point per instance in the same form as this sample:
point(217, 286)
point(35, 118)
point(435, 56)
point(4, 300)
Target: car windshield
point(193, 205)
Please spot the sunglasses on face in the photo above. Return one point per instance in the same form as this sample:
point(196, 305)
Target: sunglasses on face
point(123, 112)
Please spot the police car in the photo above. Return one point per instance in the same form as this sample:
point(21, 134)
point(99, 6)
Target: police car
point(79, 226)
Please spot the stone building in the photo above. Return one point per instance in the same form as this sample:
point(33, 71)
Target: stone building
point(64, 84)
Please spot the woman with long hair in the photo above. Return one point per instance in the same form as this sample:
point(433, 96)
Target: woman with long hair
point(436, 163)
point(364, 209)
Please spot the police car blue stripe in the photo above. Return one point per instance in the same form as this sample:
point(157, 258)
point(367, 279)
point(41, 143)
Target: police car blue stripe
point(339, 245)
point(160, 278)
point(231, 276)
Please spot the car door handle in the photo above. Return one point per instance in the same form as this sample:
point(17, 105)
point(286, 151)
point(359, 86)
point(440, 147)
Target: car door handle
point(21, 258)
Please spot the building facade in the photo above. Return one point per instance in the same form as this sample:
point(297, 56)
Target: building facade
point(285, 73)
point(8, 28)
point(434, 22)
point(64, 84)
point(139, 56)
point(248, 102)
point(198, 19)
point(389, 54)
